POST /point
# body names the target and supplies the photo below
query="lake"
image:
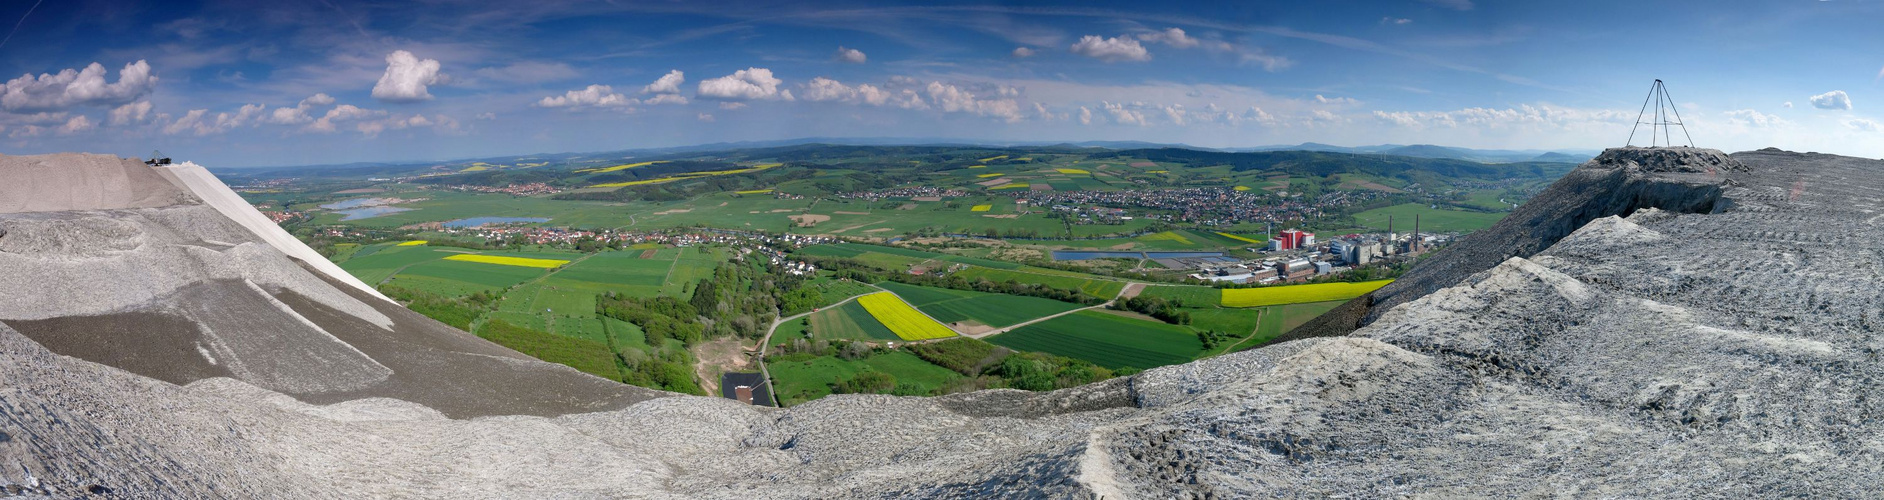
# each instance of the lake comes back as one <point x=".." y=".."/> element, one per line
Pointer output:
<point x="479" y="221"/>
<point x="357" y="202"/>
<point x="362" y="213"/>
<point x="1084" y="255"/>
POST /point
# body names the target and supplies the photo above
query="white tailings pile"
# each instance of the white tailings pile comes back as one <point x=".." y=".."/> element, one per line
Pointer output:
<point x="199" y="181"/>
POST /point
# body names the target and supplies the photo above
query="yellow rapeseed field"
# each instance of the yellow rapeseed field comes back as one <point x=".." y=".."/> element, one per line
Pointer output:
<point x="690" y="175"/>
<point x="1240" y="238"/>
<point x="996" y="174"/>
<point x="1297" y="294"/>
<point x="1010" y="185"/>
<point x="1242" y="188"/>
<point x="981" y="208"/>
<point x="977" y="166"/>
<point x="509" y="261"/>
<point x="413" y="243"/>
<point x="1072" y="171"/>
<point x="901" y="318"/>
<point x="618" y="167"/>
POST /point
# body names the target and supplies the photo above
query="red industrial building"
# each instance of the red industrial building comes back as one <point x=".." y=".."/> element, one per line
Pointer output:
<point x="1291" y="239"/>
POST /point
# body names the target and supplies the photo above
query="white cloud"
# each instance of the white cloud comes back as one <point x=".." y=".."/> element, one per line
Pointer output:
<point x="849" y="55"/>
<point x="953" y="99"/>
<point x="1022" y="52"/>
<point x="666" y="84"/>
<point x="1170" y="36"/>
<point x="1123" y="115"/>
<point x="665" y="99"/>
<point x="1396" y="20"/>
<point x="439" y="123"/>
<point x="487" y="116"/>
<point x="731" y="105"/>
<point x="1340" y="101"/>
<point x="342" y="113"/>
<point x="318" y="99"/>
<point x="1085" y="116"/>
<point x="745" y="84"/>
<point x="1787" y="104"/>
<point x="1752" y="118"/>
<point x="594" y="96"/>
<point x="131" y="113"/>
<point x="299" y="113"/>
<point x="1539" y="116"/>
<point x="77" y="124"/>
<point x="1111" y="49"/>
<point x="73" y="87"/>
<point x="704" y="117"/>
<point x="1864" y="125"/>
<point x="1832" y="100"/>
<point x="825" y="89"/>
<point x="407" y="77"/>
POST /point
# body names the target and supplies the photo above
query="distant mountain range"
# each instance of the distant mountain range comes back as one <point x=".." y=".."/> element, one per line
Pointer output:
<point x="1416" y="151"/>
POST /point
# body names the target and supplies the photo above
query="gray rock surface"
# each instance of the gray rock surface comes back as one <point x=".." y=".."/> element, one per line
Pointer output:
<point x="1660" y="332"/>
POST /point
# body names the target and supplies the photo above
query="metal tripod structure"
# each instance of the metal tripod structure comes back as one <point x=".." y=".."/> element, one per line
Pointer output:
<point x="1664" y="110"/>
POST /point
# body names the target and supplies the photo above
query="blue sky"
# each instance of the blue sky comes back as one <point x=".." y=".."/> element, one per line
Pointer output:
<point x="239" y="83"/>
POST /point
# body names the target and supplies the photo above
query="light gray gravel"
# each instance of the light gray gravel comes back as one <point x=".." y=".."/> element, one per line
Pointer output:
<point x="1685" y="335"/>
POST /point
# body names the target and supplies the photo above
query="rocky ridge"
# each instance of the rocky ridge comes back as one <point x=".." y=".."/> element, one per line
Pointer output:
<point x="1661" y="323"/>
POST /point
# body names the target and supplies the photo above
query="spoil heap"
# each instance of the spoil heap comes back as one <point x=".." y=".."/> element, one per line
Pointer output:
<point x="1668" y="323"/>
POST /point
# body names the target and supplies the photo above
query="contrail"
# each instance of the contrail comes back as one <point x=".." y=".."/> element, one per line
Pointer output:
<point x="16" y="26"/>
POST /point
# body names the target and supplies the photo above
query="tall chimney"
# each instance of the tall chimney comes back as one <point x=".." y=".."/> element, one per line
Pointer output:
<point x="1416" y="233"/>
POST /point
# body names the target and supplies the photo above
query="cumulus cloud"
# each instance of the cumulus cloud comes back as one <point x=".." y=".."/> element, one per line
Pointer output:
<point x="1395" y="20"/>
<point x="1170" y="36"/>
<point x="1756" y="119"/>
<point x="438" y="123"/>
<point x="731" y="105"/>
<point x="299" y="113"/>
<point x="743" y="85"/>
<point x="1864" y="125"/>
<point x="1342" y="101"/>
<point x="1541" y="116"/>
<point x="594" y="96"/>
<point x="953" y="99"/>
<point x="407" y="78"/>
<point x="76" y="87"/>
<point x="665" y="99"/>
<point x="131" y="113"/>
<point x="1085" y="116"/>
<point x="1125" y="115"/>
<point x="487" y="116"/>
<point x="200" y="122"/>
<point x="666" y="84"/>
<point x="704" y="117"/>
<point x="850" y="55"/>
<point x="77" y="124"/>
<point x="340" y="114"/>
<point x="1832" y="100"/>
<point x="1111" y="49"/>
<point x="1022" y="52"/>
<point x="1787" y="104"/>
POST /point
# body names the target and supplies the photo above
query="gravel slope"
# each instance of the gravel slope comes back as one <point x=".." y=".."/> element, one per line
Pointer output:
<point x="1720" y="347"/>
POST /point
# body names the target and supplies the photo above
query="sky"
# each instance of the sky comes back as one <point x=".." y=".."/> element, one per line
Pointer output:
<point x="290" y="82"/>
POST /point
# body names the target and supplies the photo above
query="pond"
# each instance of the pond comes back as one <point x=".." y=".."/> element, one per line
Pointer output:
<point x="358" y="202"/>
<point x="362" y="213"/>
<point x="479" y="221"/>
<point x="1085" y="254"/>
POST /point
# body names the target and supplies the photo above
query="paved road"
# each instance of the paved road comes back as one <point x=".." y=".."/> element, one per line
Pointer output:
<point x="766" y="342"/>
<point x="1129" y="288"/>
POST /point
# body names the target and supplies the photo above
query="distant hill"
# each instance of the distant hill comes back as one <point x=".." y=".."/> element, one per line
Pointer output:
<point x="1430" y="151"/>
<point x="1554" y="156"/>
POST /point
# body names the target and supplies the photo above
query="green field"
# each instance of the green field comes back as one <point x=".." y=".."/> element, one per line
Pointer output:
<point x="798" y="381"/>
<point x="1190" y="296"/>
<point x="1431" y="219"/>
<point x="1106" y="340"/>
<point x="1101" y="288"/>
<point x="849" y="321"/>
<point x="997" y="310"/>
